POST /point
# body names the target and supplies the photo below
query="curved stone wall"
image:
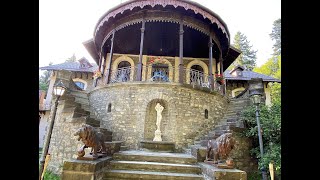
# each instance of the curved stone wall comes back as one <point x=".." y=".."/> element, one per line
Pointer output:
<point x="131" y="117"/>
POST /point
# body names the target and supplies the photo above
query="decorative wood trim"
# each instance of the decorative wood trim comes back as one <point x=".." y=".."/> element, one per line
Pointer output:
<point x="160" y="16"/>
<point x="163" y="3"/>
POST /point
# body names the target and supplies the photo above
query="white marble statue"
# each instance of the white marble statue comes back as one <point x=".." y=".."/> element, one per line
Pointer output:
<point x="157" y="133"/>
<point x="159" y="109"/>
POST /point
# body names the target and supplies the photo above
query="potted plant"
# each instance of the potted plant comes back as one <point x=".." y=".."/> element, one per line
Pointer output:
<point x="97" y="74"/>
<point x="219" y="78"/>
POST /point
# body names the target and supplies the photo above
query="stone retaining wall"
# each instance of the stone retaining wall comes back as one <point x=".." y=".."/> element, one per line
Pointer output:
<point x="132" y="114"/>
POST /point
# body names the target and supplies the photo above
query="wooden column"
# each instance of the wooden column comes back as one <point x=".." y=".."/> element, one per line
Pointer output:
<point x="221" y="72"/>
<point x="139" y="72"/>
<point x="103" y="65"/>
<point x="216" y="71"/>
<point x="99" y="63"/>
<point x="110" y="59"/>
<point x="211" y="80"/>
<point x="181" y="53"/>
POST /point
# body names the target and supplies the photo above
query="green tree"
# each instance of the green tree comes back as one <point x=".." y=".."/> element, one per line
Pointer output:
<point x="271" y="68"/>
<point x="270" y="121"/>
<point x="276" y="36"/>
<point x="248" y="56"/>
<point x="72" y="58"/>
<point x="44" y="80"/>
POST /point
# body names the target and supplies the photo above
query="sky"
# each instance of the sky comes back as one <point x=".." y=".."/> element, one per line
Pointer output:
<point x="65" y="24"/>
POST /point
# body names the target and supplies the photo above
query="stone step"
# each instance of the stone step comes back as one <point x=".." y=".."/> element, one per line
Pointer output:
<point x="82" y="101"/>
<point x="231" y="114"/>
<point x="157" y="146"/>
<point x="155" y="166"/>
<point x="225" y="118"/>
<point x="231" y="120"/>
<point x="222" y="127"/>
<point x="237" y="106"/>
<point x="134" y="155"/>
<point x="125" y="174"/>
<point x="79" y="94"/>
<point x="197" y="142"/>
<point x="77" y="111"/>
<point x="124" y="148"/>
<point x="85" y="107"/>
<point x="234" y="101"/>
<point x="105" y="131"/>
<point x="93" y="116"/>
<point x="203" y="142"/>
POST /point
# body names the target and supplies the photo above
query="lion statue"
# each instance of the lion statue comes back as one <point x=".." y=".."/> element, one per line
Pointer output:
<point x="220" y="148"/>
<point x="91" y="138"/>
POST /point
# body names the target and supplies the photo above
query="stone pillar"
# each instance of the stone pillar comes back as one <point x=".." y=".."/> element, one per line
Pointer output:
<point x="181" y="53"/>
<point x="107" y="76"/>
<point x="211" y="81"/>
<point x="141" y="50"/>
<point x="50" y="89"/>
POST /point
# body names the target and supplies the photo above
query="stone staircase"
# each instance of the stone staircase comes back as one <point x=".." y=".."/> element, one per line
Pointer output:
<point x="229" y="122"/>
<point x="81" y="97"/>
<point x="135" y="164"/>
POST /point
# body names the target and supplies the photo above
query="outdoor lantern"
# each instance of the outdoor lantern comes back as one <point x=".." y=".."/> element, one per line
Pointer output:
<point x="59" y="89"/>
<point x="256" y="98"/>
<point x="256" y="90"/>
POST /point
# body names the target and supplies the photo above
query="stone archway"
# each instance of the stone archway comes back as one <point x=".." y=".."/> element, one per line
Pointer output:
<point x="151" y="118"/>
<point x="196" y="62"/>
<point x="123" y="58"/>
<point x="165" y="61"/>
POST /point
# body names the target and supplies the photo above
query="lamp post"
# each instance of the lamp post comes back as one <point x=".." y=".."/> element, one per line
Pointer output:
<point x="58" y="90"/>
<point x="256" y="91"/>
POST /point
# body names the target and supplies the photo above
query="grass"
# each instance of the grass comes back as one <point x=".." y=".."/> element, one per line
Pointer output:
<point x="48" y="175"/>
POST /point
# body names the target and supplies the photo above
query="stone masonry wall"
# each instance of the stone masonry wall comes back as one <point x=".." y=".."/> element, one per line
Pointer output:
<point x="130" y="104"/>
<point x="63" y="144"/>
<point x="43" y="128"/>
<point x="241" y="154"/>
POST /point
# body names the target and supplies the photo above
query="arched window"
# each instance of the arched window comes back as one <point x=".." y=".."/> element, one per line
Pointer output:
<point x="123" y="73"/>
<point x="109" y="107"/>
<point x="196" y="75"/>
<point x="80" y="84"/>
<point x="206" y="113"/>
<point x="160" y="72"/>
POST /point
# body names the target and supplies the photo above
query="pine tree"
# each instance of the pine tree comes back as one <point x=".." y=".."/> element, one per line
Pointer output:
<point x="72" y="58"/>
<point x="44" y="80"/>
<point x="276" y="36"/>
<point x="248" y="56"/>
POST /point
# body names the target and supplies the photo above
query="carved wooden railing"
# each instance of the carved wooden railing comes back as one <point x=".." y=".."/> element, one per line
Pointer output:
<point x="163" y="74"/>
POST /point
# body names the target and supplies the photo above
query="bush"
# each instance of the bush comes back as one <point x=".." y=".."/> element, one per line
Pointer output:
<point x="270" y="122"/>
<point x="48" y="175"/>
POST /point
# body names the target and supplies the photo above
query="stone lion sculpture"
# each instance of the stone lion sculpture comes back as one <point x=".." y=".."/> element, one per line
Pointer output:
<point x="91" y="138"/>
<point x="220" y="148"/>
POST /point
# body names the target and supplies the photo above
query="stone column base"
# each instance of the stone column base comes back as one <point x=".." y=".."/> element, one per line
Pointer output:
<point x="82" y="169"/>
<point x="214" y="173"/>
